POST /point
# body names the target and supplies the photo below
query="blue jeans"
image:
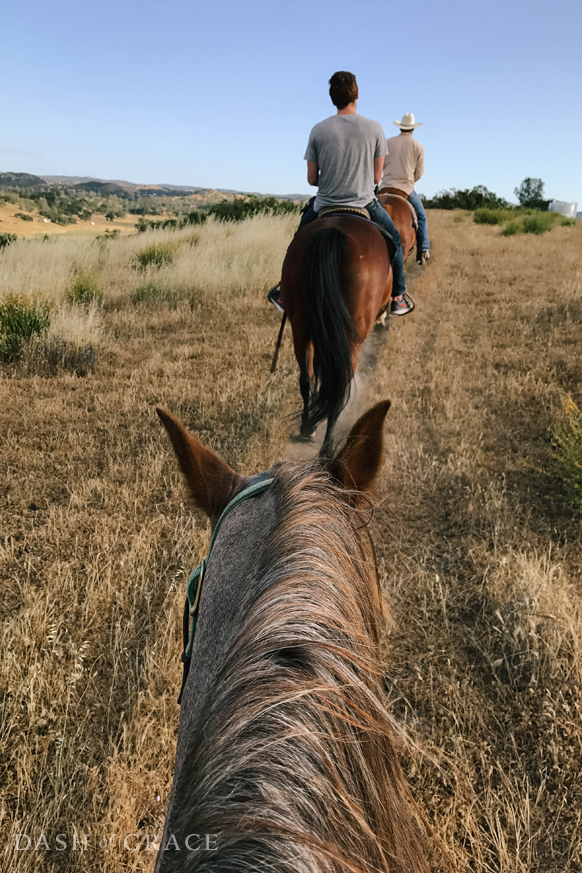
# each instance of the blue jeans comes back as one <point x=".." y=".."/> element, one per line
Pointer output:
<point x="380" y="216"/>
<point x="414" y="198"/>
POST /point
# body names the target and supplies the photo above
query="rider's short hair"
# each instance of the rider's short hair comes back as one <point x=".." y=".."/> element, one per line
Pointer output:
<point x="343" y="89"/>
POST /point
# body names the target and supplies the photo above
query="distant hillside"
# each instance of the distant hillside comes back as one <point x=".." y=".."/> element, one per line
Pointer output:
<point x="75" y="180"/>
<point x="104" y="188"/>
<point x="161" y="190"/>
<point x="123" y="188"/>
<point x="129" y="190"/>
<point x="20" y="180"/>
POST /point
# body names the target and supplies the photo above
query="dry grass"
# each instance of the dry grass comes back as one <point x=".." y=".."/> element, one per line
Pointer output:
<point x="239" y="258"/>
<point x="95" y="542"/>
<point x="485" y="583"/>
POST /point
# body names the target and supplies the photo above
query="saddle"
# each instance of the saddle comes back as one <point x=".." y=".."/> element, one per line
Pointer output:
<point x="343" y="210"/>
<point x="356" y="212"/>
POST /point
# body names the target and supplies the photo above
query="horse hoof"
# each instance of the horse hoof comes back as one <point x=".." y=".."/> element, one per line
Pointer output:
<point x="302" y="437"/>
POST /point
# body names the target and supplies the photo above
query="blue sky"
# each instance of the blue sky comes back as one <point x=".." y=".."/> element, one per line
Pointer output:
<point x="223" y="94"/>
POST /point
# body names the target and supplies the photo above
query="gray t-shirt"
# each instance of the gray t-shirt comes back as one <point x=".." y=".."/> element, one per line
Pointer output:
<point x="344" y="148"/>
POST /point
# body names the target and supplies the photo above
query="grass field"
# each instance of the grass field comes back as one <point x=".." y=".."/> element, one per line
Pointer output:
<point x="479" y="561"/>
<point x="38" y="227"/>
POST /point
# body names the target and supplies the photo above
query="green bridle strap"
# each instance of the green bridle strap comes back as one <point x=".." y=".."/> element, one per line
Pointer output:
<point x="196" y="578"/>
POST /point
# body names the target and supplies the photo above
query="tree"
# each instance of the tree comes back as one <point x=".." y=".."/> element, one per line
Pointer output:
<point x="531" y="193"/>
<point x="474" y="198"/>
<point x="110" y="216"/>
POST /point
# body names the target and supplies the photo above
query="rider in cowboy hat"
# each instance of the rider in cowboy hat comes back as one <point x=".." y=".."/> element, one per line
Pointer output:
<point x="404" y="166"/>
<point x="345" y="159"/>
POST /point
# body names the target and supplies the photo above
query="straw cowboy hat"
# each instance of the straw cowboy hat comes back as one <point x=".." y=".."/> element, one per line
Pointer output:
<point x="407" y="122"/>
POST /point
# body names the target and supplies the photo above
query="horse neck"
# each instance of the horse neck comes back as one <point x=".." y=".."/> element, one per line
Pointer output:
<point x="291" y="724"/>
<point x="276" y="538"/>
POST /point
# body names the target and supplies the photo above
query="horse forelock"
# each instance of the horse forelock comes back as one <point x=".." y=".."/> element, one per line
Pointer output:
<point x="293" y="761"/>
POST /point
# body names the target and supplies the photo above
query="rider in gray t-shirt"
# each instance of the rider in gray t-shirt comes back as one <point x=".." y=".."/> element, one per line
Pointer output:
<point x="344" y="147"/>
<point x="345" y="161"/>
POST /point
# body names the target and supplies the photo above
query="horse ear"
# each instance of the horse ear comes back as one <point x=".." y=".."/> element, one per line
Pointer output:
<point x="211" y="482"/>
<point x="357" y="464"/>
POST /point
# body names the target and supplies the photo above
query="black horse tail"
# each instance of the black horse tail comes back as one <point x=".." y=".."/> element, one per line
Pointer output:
<point x="330" y="325"/>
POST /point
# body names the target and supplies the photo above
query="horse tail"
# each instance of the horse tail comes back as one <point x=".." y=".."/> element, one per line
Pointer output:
<point x="329" y="323"/>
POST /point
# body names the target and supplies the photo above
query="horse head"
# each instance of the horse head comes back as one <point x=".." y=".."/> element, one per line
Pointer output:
<point x="286" y="756"/>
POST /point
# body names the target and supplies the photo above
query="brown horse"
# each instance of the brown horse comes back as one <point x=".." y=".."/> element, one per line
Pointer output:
<point x="402" y="214"/>
<point x="287" y="758"/>
<point x="336" y="280"/>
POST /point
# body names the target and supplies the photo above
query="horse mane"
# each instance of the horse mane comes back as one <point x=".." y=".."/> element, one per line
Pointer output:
<point x="294" y="759"/>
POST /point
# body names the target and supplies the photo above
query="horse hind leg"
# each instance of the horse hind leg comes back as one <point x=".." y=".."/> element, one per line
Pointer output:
<point x="419" y="258"/>
<point x="326" y="450"/>
<point x="306" y="430"/>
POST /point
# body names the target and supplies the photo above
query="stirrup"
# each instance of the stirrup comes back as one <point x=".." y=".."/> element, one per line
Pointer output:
<point x="274" y="296"/>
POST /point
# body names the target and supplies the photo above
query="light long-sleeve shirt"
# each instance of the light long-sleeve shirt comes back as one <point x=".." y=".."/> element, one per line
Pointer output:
<point x="404" y="164"/>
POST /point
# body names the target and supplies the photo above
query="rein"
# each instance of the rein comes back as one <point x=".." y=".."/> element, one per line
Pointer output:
<point x="196" y="577"/>
<point x="278" y="345"/>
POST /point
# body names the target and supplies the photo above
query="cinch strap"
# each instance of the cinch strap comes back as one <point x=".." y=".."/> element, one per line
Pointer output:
<point x="196" y="578"/>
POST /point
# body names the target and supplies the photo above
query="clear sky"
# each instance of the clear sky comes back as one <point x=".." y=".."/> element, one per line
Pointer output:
<point x="223" y="93"/>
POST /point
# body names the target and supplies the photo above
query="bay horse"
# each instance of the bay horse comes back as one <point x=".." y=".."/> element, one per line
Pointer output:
<point x="402" y="213"/>
<point x="335" y="282"/>
<point x="287" y="758"/>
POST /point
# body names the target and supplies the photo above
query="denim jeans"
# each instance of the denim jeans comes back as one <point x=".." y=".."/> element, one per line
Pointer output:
<point x="309" y="215"/>
<point x="380" y="216"/>
<point x="414" y="198"/>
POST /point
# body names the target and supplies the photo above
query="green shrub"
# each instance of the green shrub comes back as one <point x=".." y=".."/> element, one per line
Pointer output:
<point x="63" y="219"/>
<point x="227" y="210"/>
<point x="6" y="239"/>
<point x="165" y="224"/>
<point x="538" y="224"/>
<point x="19" y="322"/>
<point x="109" y="234"/>
<point x="194" y="217"/>
<point x="155" y="255"/>
<point x="510" y="229"/>
<point x="567" y="459"/>
<point x="23" y="216"/>
<point x="245" y="207"/>
<point x="568" y="222"/>
<point x="487" y="216"/>
<point x="151" y="293"/>
<point x="474" y="198"/>
<point x="85" y="289"/>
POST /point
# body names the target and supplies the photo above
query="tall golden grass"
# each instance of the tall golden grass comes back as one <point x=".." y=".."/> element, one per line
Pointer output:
<point x="484" y="650"/>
